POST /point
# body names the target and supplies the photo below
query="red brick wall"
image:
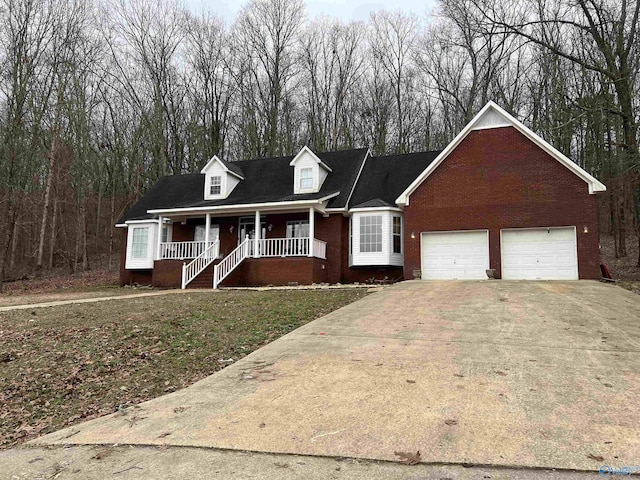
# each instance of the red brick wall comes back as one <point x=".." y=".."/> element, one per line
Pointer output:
<point x="276" y="271"/>
<point x="329" y="229"/>
<point x="182" y="233"/>
<point x="167" y="273"/>
<point x="495" y="179"/>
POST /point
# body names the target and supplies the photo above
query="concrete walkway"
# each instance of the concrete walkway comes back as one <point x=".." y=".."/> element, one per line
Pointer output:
<point x="513" y="374"/>
<point x="94" y="299"/>
<point x="372" y="288"/>
<point x="144" y="463"/>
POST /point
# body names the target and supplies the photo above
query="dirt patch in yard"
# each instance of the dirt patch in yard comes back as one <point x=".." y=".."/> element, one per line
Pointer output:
<point x="625" y="269"/>
<point x="62" y="365"/>
<point x="56" y="286"/>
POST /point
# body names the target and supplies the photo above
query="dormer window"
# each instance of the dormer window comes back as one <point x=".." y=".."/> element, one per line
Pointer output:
<point x="306" y="178"/>
<point x="309" y="172"/>
<point x="215" y="187"/>
<point x="220" y="178"/>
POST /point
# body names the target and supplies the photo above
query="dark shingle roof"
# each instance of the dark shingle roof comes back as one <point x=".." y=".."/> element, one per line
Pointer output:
<point x="383" y="179"/>
<point x="376" y="202"/>
<point x="265" y="180"/>
<point x="234" y="167"/>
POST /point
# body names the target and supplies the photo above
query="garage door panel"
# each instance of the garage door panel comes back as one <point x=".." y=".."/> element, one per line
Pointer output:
<point x="539" y="254"/>
<point x="455" y="255"/>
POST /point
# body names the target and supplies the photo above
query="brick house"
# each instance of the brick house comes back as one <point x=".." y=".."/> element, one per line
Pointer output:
<point x="497" y="197"/>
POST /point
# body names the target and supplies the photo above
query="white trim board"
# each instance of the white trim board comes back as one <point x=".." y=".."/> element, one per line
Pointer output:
<point x="493" y="116"/>
<point x="248" y="206"/>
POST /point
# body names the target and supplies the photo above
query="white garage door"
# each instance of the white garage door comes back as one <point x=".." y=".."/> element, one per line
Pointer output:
<point x="539" y="254"/>
<point x="455" y="255"/>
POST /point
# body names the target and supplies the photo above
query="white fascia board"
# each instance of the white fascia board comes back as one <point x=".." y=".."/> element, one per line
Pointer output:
<point x="355" y="183"/>
<point x="248" y="206"/>
<point x="121" y="225"/>
<point x="213" y="160"/>
<point x="594" y="184"/>
<point x="148" y="220"/>
<point x="224" y="167"/>
<point x="306" y="149"/>
<point x="231" y="172"/>
<point x="375" y="209"/>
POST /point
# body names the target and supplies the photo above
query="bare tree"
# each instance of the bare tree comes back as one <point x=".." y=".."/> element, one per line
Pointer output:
<point x="393" y="39"/>
<point x="332" y="60"/>
<point x="266" y="34"/>
<point x="600" y="37"/>
<point x="210" y="88"/>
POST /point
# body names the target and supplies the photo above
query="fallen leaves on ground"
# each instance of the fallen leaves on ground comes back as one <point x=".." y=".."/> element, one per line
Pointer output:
<point x="408" y="458"/>
<point x="71" y="363"/>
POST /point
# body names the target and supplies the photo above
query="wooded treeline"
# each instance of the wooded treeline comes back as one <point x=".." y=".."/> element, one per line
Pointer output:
<point x="99" y="98"/>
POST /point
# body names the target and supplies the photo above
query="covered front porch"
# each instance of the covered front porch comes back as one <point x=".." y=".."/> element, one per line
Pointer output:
<point x="194" y="242"/>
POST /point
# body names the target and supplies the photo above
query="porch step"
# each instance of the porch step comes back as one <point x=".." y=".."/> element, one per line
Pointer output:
<point x="203" y="280"/>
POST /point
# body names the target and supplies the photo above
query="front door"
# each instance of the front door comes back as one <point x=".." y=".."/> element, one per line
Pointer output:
<point x="247" y="226"/>
<point x="297" y="237"/>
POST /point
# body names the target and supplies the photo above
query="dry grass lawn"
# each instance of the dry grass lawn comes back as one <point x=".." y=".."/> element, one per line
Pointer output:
<point x="62" y="365"/>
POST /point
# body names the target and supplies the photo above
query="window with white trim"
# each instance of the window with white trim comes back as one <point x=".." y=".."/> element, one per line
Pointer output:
<point x="396" y="234"/>
<point x="306" y="178"/>
<point x="371" y="233"/>
<point x="215" y="186"/>
<point x="139" y="242"/>
<point x="298" y="229"/>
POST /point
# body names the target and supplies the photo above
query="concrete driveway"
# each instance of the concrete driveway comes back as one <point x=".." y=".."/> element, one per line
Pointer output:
<point x="526" y="374"/>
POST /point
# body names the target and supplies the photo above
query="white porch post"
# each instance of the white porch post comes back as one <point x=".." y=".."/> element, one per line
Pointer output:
<point x="207" y="227"/>
<point x="159" y="239"/>
<point x="256" y="236"/>
<point x="312" y="230"/>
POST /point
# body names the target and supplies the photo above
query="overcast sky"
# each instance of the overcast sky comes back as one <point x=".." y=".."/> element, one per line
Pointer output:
<point x="343" y="9"/>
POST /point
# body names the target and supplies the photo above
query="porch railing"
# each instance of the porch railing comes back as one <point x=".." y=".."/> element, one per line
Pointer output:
<point x="288" y="247"/>
<point x="182" y="250"/>
<point x="198" y="264"/>
<point x="231" y="261"/>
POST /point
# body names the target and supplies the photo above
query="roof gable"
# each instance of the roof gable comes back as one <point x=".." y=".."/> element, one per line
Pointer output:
<point x="307" y="151"/>
<point x="228" y="167"/>
<point x="493" y="116"/>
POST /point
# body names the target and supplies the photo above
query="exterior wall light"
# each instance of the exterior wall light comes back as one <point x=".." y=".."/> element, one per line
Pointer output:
<point x="585" y="229"/>
<point x="413" y="235"/>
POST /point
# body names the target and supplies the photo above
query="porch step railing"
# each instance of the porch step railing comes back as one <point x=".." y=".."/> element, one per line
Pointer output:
<point x="319" y="249"/>
<point x="198" y="264"/>
<point x="231" y="261"/>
